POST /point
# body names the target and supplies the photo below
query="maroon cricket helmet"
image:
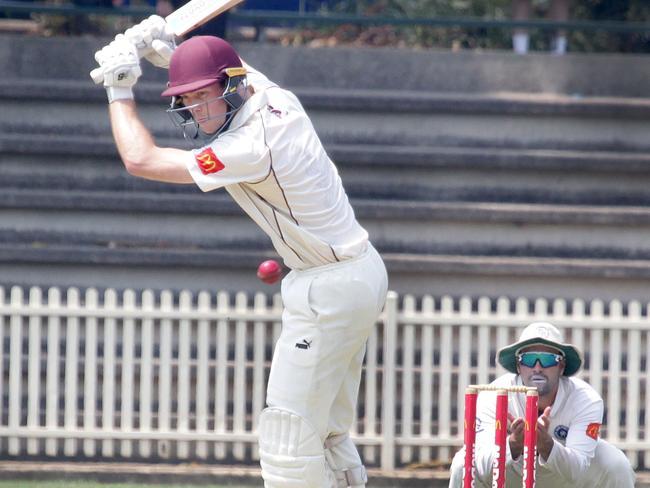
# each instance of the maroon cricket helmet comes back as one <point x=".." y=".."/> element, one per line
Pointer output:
<point x="199" y="62"/>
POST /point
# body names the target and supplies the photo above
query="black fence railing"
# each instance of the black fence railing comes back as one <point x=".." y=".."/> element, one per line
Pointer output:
<point x="9" y="7"/>
<point x="265" y="18"/>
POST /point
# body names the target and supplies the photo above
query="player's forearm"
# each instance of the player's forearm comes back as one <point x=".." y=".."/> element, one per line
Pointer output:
<point x="545" y="446"/>
<point x="138" y="150"/>
<point x="516" y="448"/>
<point x="133" y="140"/>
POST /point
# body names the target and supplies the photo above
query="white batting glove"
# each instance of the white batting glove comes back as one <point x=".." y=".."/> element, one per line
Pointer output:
<point x="120" y="68"/>
<point x="153" y="40"/>
<point x="161" y="53"/>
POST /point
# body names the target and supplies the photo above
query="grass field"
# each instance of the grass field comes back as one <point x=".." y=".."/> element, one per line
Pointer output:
<point x="93" y="484"/>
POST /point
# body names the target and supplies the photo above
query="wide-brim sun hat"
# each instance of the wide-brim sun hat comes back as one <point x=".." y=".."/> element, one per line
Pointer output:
<point x="199" y="62"/>
<point x="546" y="334"/>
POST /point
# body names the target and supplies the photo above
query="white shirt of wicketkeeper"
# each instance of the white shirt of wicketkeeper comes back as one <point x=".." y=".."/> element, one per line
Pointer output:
<point x="540" y="366"/>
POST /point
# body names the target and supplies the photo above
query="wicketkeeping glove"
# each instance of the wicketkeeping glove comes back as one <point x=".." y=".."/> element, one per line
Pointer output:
<point x="153" y="41"/>
<point x="120" y="67"/>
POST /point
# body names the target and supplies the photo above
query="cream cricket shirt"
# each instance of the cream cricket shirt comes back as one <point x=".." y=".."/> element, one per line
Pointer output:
<point x="272" y="163"/>
<point x="576" y="417"/>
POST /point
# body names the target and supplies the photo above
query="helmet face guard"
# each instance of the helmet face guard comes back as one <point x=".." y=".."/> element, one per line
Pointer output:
<point x="234" y="95"/>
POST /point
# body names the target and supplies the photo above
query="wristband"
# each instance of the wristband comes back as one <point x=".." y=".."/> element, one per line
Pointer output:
<point x="119" y="93"/>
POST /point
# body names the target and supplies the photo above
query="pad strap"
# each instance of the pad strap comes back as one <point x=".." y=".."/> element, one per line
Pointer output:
<point x="353" y="476"/>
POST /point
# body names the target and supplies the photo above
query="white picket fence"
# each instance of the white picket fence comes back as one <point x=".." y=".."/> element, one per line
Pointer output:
<point x="143" y="375"/>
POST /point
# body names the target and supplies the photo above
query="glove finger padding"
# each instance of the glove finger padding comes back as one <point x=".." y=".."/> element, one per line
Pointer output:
<point x="139" y="37"/>
<point x="119" y="43"/>
<point x="146" y="32"/>
<point x="120" y="63"/>
<point x="161" y="53"/>
<point x="156" y="27"/>
<point x="102" y="54"/>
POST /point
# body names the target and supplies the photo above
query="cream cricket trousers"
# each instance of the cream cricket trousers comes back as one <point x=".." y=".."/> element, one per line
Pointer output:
<point x="329" y="311"/>
<point x="609" y="468"/>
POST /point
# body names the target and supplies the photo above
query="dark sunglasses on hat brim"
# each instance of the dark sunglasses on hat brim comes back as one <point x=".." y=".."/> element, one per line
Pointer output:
<point x="546" y="359"/>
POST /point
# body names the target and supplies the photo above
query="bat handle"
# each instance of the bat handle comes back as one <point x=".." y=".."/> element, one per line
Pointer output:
<point x="97" y="75"/>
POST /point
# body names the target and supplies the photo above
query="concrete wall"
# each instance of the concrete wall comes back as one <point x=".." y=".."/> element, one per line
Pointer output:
<point x="370" y="68"/>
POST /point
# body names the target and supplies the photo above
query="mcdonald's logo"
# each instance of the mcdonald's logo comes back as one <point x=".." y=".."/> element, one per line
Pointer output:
<point x="593" y="430"/>
<point x="466" y="426"/>
<point x="208" y="162"/>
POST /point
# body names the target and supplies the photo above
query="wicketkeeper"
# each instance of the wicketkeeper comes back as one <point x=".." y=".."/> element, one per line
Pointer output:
<point x="254" y="139"/>
<point x="570" y="452"/>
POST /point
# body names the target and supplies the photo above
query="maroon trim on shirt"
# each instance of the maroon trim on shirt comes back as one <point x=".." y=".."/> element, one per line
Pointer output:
<point x="277" y="224"/>
<point x="272" y="172"/>
<point x="284" y="196"/>
<point x="334" y="254"/>
<point x="259" y="112"/>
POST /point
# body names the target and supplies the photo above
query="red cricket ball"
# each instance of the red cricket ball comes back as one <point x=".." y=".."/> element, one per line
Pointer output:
<point x="269" y="271"/>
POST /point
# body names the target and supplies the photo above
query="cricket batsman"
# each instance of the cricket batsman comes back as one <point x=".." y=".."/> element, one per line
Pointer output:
<point x="255" y="140"/>
<point x="571" y="453"/>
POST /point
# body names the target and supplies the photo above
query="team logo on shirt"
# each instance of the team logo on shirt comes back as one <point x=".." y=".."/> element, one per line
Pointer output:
<point x="275" y="111"/>
<point x="592" y="430"/>
<point x="208" y="162"/>
<point x="561" y="432"/>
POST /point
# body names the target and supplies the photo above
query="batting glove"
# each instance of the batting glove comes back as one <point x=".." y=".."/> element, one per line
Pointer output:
<point x="153" y="40"/>
<point x="120" y="67"/>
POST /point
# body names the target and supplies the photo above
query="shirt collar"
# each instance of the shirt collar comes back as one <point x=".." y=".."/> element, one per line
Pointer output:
<point x="256" y="101"/>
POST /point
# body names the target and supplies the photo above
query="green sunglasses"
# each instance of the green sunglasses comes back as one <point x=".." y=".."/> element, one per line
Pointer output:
<point x="546" y="359"/>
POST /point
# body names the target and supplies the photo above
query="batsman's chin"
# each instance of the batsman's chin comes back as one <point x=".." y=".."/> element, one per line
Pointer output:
<point x="209" y="126"/>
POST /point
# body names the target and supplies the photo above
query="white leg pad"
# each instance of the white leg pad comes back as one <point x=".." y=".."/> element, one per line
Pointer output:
<point x="344" y="460"/>
<point x="291" y="452"/>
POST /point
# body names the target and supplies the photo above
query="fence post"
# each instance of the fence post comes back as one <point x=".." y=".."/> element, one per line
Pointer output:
<point x="15" y="367"/>
<point x="203" y="371"/>
<point x="90" y="371"/>
<point x="72" y="364"/>
<point x="614" y="378"/>
<point x="445" y="372"/>
<point x="34" y="368"/>
<point x="633" y="404"/>
<point x="128" y="369"/>
<point x="165" y="371"/>
<point x="183" y="389"/>
<point x="53" y="363"/>
<point x="3" y="356"/>
<point x="388" y="393"/>
<point x="408" y="375"/>
<point x="146" y="370"/>
<point x="108" y="370"/>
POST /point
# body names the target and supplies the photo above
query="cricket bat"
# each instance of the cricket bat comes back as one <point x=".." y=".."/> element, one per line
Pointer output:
<point x="190" y="16"/>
